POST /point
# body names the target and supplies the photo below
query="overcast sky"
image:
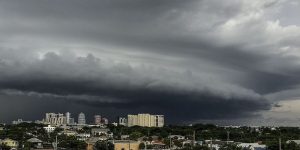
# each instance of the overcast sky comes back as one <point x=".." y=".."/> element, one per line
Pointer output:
<point x="226" y="62"/>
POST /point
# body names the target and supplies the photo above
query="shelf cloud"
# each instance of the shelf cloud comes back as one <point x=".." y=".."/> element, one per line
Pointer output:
<point x="190" y="60"/>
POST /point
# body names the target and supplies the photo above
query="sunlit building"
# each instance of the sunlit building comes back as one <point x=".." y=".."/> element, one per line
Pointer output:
<point x="55" y="119"/>
<point x="145" y="120"/>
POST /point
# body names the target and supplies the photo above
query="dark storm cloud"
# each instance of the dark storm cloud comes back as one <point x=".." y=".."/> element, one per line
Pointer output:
<point x="88" y="80"/>
<point x="188" y="59"/>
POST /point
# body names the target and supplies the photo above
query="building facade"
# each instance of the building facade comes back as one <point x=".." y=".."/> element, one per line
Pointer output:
<point x="55" y="119"/>
<point x="145" y="120"/>
<point x="81" y="119"/>
<point x="49" y="129"/>
<point x="68" y="117"/>
<point x="10" y="143"/>
<point x="97" y="119"/>
<point x="122" y="121"/>
<point x="104" y="121"/>
<point x="20" y="121"/>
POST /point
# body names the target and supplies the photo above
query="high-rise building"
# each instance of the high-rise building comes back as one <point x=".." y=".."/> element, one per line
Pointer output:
<point x="72" y="121"/>
<point x="122" y="121"/>
<point x="132" y="120"/>
<point x="68" y="117"/>
<point x="81" y="119"/>
<point x="55" y="119"/>
<point x="97" y="119"/>
<point x="145" y="120"/>
<point x="104" y="120"/>
<point x="159" y="120"/>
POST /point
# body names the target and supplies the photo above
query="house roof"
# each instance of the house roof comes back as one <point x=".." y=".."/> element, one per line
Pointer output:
<point x="34" y="140"/>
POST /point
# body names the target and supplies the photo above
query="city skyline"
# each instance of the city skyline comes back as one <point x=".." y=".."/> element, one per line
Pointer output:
<point x="194" y="61"/>
<point x="67" y="119"/>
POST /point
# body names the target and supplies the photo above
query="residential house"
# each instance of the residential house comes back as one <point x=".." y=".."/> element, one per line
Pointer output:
<point x="253" y="146"/>
<point x="11" y="143"/>
<point x="35" y="143"/>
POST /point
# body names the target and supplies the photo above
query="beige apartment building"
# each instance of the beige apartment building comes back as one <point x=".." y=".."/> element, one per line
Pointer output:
<point x="55" y="119"/>
<point x="145" y="120"/>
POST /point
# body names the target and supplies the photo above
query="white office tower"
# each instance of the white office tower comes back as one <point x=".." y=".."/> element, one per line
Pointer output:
<point x="81" y="119"/>
<point x="122" y="121"/>
<point x="145" y="120"/>
<point x="68" y="117"/>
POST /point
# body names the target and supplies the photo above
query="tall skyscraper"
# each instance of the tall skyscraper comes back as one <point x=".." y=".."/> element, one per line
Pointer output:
<point x="68" y="117"/>
<point x="145" y="120"/>
<point x="81" y="119"/>
<point x="97" y="119"/>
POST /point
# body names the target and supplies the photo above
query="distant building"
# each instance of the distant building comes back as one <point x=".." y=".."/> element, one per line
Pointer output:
<point x="177" y="137"/>
<point x="104" y="121"/>
<point x="96" y="132"/>
<point x="68" y="117"/>
<point x="68" y="133"/>
<point x="81" y="119"/>
<point x="122" y="121"/>
<point x="49" y="128"/>
<point x="97" y="119"/>
<point x="132" y="120"/>
<point x="126" y="145"/>
<point x="253" y="146"/>
<point x="20" y="121"/>
<point x="83" y="136"/>
<point x="55" y="119"/>
<point x="125" y="137"/>
<point x="35" y="143"/>
<point x="145" y="120"/>
<point x="72" y="121"/>
<point x="10" y="143"/>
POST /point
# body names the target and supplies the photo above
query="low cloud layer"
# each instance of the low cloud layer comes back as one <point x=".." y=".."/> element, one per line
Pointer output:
<point x="190" y="60"/>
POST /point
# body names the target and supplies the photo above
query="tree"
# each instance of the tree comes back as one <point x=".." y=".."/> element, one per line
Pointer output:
<point x="142" y="146"/>
<point x="135" y="135"/>
<point x="292" y="146"/>
<point x="70" y="142"/>
<point x="177" y="143"/>
<point x="230" y="147"/>
<point x="102" y="145"/>
<point x="4" y="147"/>
<point x="198" y="147"/>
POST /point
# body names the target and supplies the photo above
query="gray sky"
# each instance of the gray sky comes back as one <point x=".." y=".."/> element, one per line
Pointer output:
<point x="230" y="61"/>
